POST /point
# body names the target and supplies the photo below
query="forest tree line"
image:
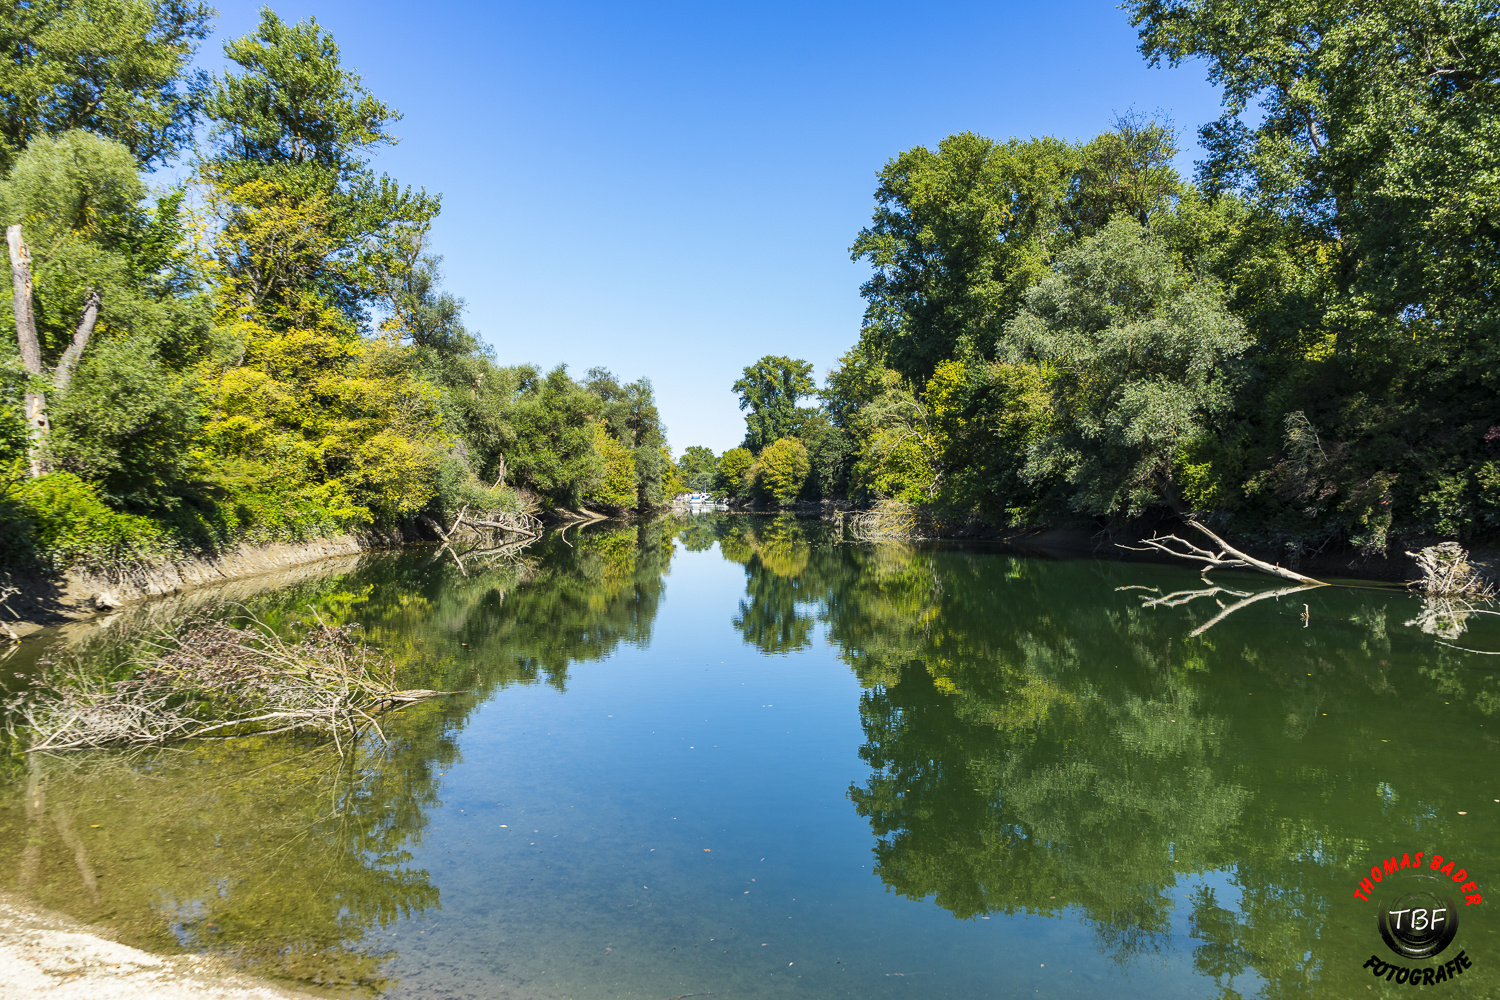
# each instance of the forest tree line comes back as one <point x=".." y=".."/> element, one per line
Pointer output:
<point x="1302" y="341"/>
<point x="264" y="350"/>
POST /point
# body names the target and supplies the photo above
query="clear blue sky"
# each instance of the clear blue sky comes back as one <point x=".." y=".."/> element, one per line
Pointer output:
<point x="671" y="189"/>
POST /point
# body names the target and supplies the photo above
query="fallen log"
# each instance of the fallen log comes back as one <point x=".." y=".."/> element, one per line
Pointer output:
<point x="1227" y="556"/>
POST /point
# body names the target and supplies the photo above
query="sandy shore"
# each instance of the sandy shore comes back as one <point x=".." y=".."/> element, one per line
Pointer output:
<point x="49" y="955"/>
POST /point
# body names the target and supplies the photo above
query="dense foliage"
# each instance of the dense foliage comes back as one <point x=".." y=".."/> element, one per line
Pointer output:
<point x="1301" y="343"/>
<point x="274" y="356"/>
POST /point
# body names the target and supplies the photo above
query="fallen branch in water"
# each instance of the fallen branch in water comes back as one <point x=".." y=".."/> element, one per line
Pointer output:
<point x="1227" y="556"/>
<point x="890" y="520"/>
<point x="215" y="679"/>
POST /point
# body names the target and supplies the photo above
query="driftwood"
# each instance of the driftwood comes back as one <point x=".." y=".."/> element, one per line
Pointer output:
<point x="1447" y="572"/>
<point x="520" y="524"/>
<point x="1226" y="556"/>
<point x="216" y="680"/>
<point x="580" y="516"/>
<point x="890" y="519"/>
<point x="527" y="527"/>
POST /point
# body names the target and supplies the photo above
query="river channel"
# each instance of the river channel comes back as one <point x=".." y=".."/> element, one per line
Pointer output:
<point x="744" y="757"/>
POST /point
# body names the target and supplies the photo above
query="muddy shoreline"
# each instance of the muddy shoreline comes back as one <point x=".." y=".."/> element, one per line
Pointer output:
<point x="47" y="601"/>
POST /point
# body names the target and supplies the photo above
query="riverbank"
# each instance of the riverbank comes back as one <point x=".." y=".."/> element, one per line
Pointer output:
<point x="1123" y="543"/>
<point x="50" y="955"/>
<point x="39" y="602"/>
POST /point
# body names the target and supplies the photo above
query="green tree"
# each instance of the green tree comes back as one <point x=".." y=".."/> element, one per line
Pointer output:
<point x="111" y="67"/>
<point x="295" y="125"/>
<point x="733" y="478"/>
<point x="1140" y="355"/>
<point x="632" y="417"/>
<point x="617" y="489"/>
<point x="698" y="468"/>
<point x="960" y="232"/>
<point x="1372" y="124"/>
<point x="549" y="438"/>
<point x="829" y="449"/>
<point x="781" y="469"/>
<point x="119" y="321"/>
<point x="769" y="389"/>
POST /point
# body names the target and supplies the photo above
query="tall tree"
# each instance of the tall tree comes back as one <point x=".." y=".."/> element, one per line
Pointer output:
<point x="697" y="468"/>
<point x="769" y="389"/>
<point x="1374" y="125"/>
<point x="960" y="232"/>
<point x="112" y="67"/>
<point x="100" y="253"/>
<point x="294" y="103"/>
<point x="1140" y="360"/>
<point x="291" y="131"/>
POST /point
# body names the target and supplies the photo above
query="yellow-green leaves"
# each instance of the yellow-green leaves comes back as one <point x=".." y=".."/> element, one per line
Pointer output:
<point x="781" y="469"/>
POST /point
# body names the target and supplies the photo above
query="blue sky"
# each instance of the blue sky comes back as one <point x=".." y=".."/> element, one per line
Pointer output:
<point x="671" y="189"/>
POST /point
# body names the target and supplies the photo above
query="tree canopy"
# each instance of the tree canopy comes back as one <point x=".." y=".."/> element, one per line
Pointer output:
<point x="769" y="389"/>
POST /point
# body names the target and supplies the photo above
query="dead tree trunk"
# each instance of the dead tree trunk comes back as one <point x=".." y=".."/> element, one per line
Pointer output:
<point x="64" y="374"/>
<point x="31" y="350"/>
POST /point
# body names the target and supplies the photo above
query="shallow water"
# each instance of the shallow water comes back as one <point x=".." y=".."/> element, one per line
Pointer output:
<point x="738" y="756"/>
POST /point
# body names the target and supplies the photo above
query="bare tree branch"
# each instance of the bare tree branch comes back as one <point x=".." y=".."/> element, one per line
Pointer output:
<point x="1226" y="557"/>
<point x="64" y="373"/>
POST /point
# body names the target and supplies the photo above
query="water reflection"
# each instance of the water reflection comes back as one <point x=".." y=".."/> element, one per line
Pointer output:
<point x="283" y="858"/>
<point x="1035" y="741"/>
<point x="285" y="854"/>
<point x="1040" y="744"/>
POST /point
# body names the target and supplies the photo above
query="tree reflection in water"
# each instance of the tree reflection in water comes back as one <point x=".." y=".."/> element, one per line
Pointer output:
<point x="1039" y="743"/>
<point x="281" y="853"/>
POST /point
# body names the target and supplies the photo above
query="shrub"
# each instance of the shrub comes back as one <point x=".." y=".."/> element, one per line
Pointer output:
<point x="618" y="490"/>
<point x="58" y="520"/>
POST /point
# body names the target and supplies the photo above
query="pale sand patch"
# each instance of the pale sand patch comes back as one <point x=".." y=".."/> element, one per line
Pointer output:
<point x="51" y="956"/>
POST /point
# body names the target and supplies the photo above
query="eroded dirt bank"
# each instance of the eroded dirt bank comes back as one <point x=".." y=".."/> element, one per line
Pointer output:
<point x="43" y="602"/>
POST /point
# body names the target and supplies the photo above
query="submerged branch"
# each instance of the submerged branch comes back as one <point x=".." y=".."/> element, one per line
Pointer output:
<point x="214" y="679"/>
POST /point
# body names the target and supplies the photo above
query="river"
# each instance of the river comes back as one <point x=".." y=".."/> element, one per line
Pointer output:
<point x="743" y="757"/>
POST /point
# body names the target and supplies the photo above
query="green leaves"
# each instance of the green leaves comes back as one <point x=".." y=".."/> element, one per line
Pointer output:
<point x="733" y="476"/>
<point x="1141" y="359"/>
<point x="295" y="103"/>
<point x="769" y="389"/>
<point x="959" y="233"/>
<point x="698" y="467"/>
<point x="1375" y="124"/>
<point x="112" y="67"/>
<point x="781" y="470"/>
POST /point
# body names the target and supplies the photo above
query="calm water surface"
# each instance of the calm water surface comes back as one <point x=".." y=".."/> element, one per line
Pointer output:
<point x="737" y="756"/>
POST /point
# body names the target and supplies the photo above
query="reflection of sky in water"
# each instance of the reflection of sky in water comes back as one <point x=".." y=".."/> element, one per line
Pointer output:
<point x="756" y="767"/>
